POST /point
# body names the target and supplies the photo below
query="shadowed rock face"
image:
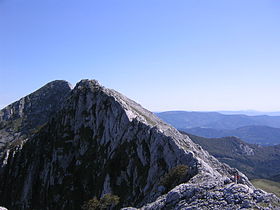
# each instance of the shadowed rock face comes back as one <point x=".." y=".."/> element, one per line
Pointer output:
<point x="23" y="118"/>
<point x="102" y="142"/>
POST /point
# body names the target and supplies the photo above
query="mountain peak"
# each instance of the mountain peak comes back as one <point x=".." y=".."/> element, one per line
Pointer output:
<point x="88" y="83"/>
<point x="132" y="109"/>
<point x="23" y="117"/>
<point x="57" y="83"/>
<point x="51" y="88"/>
<point x="101" y="142"/>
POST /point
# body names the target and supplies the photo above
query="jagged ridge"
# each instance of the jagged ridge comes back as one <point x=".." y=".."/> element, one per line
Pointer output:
<point x="100" y="142"/>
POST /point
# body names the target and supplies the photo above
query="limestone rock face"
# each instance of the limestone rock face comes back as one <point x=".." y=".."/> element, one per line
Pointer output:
<point x="213" y="195"/>
<point x="24" y="117"/>
<point x="102" y="142"/>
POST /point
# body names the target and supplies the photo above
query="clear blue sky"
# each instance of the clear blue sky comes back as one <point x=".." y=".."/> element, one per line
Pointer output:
<point x="166" y="55"/>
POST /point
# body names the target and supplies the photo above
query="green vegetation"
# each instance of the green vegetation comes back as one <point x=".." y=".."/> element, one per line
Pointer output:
<point x="174" y="177"/>
<point x="267" y="185"/>
<point x="107" y="201"/>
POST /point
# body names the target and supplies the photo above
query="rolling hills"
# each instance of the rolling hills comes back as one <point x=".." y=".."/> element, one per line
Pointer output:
<point x="257" y="162"/>
<point x="263" y="130"/>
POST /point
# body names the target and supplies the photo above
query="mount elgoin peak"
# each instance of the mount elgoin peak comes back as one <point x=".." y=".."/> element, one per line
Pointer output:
<point x="62" y="146"/>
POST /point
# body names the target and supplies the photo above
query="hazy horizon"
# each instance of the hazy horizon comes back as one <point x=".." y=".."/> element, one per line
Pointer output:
<point x="165" y="110"/>
<point x="248" y="111"/>
<point x="165" y="55"/>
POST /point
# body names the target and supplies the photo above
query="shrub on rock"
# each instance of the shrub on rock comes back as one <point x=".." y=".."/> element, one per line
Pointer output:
<point x="174" y="177"/>
<point x="108" y="200"/>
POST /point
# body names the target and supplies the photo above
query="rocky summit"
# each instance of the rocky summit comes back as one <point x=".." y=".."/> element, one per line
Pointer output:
<point x="21" y="119"/>
<point x="98" y="142"/>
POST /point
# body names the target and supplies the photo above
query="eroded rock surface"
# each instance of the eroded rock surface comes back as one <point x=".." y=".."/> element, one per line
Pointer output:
<point x="214" y="195"/>
<point x="102" y="142"/>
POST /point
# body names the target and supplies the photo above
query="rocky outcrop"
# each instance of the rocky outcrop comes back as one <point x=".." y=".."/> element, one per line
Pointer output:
<point x="102" y="142"/>
<point x="213" y="195"/>
<point x="24" y="117"/>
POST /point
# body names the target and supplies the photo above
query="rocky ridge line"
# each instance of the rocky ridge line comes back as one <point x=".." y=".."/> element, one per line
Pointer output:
<point x="102" y="142"/>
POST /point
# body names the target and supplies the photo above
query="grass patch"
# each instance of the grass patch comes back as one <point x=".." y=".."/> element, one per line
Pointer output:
<point x="267" y="185"/>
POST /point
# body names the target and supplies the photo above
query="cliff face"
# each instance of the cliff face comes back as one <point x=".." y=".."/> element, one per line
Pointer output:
<point x="102" y="142"/>
<point x="24" y="117"/>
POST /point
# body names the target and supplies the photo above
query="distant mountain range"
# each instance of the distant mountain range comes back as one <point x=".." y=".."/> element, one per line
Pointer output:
<point x="251" y="113"/>
<point x="254" y="134"/>
<point x="262" y="129"/>
<point x="253" y="160"/>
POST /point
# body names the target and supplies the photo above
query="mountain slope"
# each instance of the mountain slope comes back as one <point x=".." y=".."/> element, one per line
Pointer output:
<point x="255" y="161"/>
<point x="102" y="142"/>
<point x="24" y="117"/>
